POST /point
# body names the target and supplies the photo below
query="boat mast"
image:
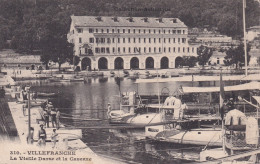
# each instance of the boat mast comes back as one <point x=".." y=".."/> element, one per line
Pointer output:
<point x="221" y="103"/>
<point x="244" y="27"/>
<point x="159" y="100"/>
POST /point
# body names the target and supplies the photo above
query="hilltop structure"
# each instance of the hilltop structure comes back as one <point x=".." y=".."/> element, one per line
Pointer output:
<point x="129" y="42"/>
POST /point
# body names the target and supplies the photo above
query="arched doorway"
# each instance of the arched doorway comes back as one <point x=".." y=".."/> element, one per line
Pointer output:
<point x="149" y="62"/>
<point x="102" y="63"/>
<point x="164" y="63"/>
<point x="179" y="62"/>
<point x="33" y="67"/>
<point x="86" y="63"/>
<point x="40" y="67"/>
<point x="119" y="63"/>
<point x="134" y="63"/>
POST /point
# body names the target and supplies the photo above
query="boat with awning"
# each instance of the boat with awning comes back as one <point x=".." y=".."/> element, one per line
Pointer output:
<point x="240" y="87"/>
<point x="194" y="78"/>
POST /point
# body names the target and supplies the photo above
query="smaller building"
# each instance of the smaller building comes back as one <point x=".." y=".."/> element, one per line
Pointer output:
<point x="253" y="32"/>
<point x="217" y="58"/>
<point x="255" y="57"/>
<point x="11" y="59"/>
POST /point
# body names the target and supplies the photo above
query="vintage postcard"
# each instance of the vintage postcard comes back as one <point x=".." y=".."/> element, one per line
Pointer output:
<point x="98" y="81"/>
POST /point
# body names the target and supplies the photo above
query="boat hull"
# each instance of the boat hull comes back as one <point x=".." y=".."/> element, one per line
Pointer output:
<point x="41" y="94"/>
<point x="138" y="120"/>
<point x="200" y="136"/>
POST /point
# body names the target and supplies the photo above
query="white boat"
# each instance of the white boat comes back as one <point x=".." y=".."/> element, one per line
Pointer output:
<point x="128" y="112"/>
<point x="133" y="112"/>
<point x="46" y="94"/>
<point x="174" y="132"/>
<point x="138" y="120"/>
<point x="77" y="79"/>
<point x="241" y="138"/>
<point x="194" y="136"/>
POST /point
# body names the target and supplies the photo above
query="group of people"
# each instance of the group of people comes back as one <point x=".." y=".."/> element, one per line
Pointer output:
<point x="24" y="93"/>
<point x="49" y="112"/>
<point x="42" y="136"/>
<point x="177" y="105"/>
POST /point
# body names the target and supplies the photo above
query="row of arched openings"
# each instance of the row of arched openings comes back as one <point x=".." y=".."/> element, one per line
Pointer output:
<point x="134" y="63"/>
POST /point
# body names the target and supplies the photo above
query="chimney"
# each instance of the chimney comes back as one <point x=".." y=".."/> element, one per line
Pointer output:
<point x="115" y="19"/>
<point x="130" y="19"/>
<point x="99" y="19"/>
<point x="160" y="20"/>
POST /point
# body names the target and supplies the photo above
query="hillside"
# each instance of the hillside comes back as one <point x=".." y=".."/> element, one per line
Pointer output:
<point x="29" y="23"/>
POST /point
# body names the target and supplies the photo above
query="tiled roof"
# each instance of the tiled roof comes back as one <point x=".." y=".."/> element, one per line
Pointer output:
<point x="21" y="60"/>
<point x="92" y="21"/>
<point x="8" y="56"/>
<point x="254" y="27"/>
<point x="218" y="54"/>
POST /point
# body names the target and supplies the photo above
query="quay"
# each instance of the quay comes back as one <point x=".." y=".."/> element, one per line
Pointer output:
<point x="69" y="142"/>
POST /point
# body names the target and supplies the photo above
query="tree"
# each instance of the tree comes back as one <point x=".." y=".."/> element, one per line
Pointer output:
<point x="190" y="61"/>
<point x="4" y="32"/>
<point x="46" y="47"/>
<point x="76" y="60"/>
<point x="227" y="25"/>
<point x="45" y="59"/>
<point x="236" y="55"/>
<point x="204" y="53"/>
<point x="62" y="51"/>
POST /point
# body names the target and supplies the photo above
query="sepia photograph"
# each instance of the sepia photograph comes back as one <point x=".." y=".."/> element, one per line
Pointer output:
<point x="129" y="81"/>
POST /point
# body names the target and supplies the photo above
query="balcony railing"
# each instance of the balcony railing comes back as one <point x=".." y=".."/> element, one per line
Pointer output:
<point x="86" y="54"/>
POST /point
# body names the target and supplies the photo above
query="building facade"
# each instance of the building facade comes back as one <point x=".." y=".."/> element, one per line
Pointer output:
<point x="217" y="58"/>
<point x="129" y="42"/>
<point x="253" y="32"/>
<point x="10" y="59"/>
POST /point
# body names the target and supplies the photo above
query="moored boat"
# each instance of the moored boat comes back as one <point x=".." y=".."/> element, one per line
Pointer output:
<point x="77" y="79"/>
<point x="46" y="94"/>
<point x="189" y="131"/>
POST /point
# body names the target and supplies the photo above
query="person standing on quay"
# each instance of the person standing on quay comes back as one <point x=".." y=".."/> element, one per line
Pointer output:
<point x="46" y="117"/>
<point x="49" y="109"/>
<point x="57" y="118"/>
<point x="2" y="93"/>
<point x="109" y="109"/>
<point x="30" y="136"/>
<point x="53" y="117"/>
<point x="42" y="136"/>
<point x="54" y="138"/>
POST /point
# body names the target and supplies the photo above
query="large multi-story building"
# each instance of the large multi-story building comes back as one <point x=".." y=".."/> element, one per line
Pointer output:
<point x="129" y="42"/>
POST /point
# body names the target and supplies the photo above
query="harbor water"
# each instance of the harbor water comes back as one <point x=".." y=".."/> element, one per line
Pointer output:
<point x="84" y="105"/>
